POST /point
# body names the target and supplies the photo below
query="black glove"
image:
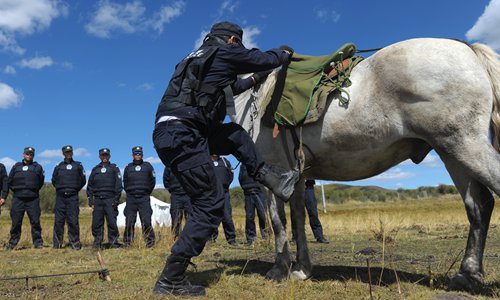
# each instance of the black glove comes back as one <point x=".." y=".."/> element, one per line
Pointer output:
<point x="287" y="48"/>
<point x="261" y="76"/>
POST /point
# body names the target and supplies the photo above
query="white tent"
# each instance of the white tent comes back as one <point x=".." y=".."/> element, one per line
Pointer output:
<point x="160" y="217"/>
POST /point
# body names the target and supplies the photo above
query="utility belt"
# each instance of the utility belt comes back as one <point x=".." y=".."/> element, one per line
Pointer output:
<point x="67" y="194"/>
<point x="104" y="196"/>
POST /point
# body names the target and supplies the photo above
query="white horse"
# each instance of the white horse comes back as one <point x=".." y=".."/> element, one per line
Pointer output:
<point x="406" y="99"/>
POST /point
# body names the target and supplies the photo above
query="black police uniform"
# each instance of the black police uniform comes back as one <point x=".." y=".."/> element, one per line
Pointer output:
<point x="4" y="183"/>
<point x="68" y="178"/>
<point x="25" y="181"/>
<point x="139" y="182"/>
<point x="254" y="201"/>
<point x="312" y="210"/>
<point x="103" y="191"/>
<point x="189" y="128"/>
<point x="180" y="203"/>
<point x="224" y="174"/>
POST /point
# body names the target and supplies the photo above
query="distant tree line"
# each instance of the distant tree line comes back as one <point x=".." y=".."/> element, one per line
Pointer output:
<point x="334" y="193"/>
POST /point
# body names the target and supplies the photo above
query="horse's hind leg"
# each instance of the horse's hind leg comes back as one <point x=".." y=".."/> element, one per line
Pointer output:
<point x="282" y="263"/>
<point x="479" y="204"/>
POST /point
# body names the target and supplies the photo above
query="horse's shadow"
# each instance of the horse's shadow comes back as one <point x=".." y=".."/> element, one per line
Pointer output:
<point x="376" y="277"/>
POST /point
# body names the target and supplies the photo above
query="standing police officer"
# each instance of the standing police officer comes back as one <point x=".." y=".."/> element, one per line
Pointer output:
<point x="103" y="191"/>
<point x="68" y="178"/>
<point x="254" y="200"/>
<point x="312" y="210"/>
<point x="139" y="182"/>
<point x="224" y="174"/>
<point x="189" y="127"/>
<point x="4" y="185"/>
<point x="25" y="180"/>
<point x="180" y="203"/>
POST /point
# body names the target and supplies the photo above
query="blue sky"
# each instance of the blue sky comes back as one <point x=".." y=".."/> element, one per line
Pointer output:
<point x="91" y="73"/>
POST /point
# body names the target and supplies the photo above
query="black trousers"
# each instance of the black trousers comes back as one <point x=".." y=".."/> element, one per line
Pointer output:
<point x="103" y="209"/>
<point x="66" y="210"/>
<point x="180" y="207"/>
<point x="227" y="220"/>
<point x="255" y="201"/>
<point x="141" y="205"/>
<point x="32" y="207"/>
<point x="185" y="149"/>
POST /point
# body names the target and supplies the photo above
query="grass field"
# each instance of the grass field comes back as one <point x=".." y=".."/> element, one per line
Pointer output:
<point x="412" y="248"/>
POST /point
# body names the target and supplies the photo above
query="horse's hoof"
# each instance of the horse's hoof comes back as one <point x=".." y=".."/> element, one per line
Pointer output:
<point x="276" y="274"/>
<point x="298" y="275"/>
<point x="466" y="282"/>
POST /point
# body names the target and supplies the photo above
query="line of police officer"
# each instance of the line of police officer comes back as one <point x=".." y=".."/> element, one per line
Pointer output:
<point x="104" y="188"/>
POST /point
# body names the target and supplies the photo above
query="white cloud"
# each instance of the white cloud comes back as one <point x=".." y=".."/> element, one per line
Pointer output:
<point x="9" y="97"/>
<point x="249" y="35"/>
<point x="57" y="153"/>
<point x="200" y="39"/>
<point x="167" y="14"/>
<point x="432" y="161"/>
<point x="153" y="160"/>
<point x="7" y="162"/>
<point x="26" y="17"/>
<point x="486" y="27"/>
<point x="36" y="63"/>
<point x="9" y="70"/>
<point x="145" y="86"/>
<point x="227" y="5"/>
<point x="111" y="17"/>
<point x="81" y="152"/>
<point x="326" y="15"/>
<point x="392" y="175"/>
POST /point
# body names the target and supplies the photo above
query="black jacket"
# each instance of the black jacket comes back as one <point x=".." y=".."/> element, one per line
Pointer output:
<point x="26" y="179"/>
<point x="223" y="172"/>
<point x="139" y="178"/>
<point x="4" y="182"/>
<point x="69" y="177"/>
<point x="105" y="182"/>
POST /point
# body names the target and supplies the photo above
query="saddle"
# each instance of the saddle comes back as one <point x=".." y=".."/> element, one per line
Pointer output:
<point x="302" y="88"/>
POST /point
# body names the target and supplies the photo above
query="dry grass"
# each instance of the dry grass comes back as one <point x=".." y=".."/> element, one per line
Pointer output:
<point x="406" y="243"/>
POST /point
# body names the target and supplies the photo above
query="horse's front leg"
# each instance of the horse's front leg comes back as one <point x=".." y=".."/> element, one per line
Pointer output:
<point x="278" y="221"/>
<point x="302" y="269"/>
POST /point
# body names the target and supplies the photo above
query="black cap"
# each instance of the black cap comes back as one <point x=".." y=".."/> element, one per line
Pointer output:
<point x="137" y="149"/>
<point x="67" y="148"/>
<point x="29" y="150"/>
<point x="104" y="151"/>
<point x="227" y="29"/>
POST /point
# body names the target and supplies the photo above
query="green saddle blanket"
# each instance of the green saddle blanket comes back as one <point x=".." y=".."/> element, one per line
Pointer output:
<point x="308" y="85"/>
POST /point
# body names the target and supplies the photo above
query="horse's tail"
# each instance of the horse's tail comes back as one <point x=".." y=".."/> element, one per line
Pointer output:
<point x="489" y="60"/>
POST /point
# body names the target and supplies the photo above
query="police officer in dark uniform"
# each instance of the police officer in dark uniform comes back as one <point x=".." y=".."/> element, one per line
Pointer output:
<point x="4" y="185"/>
<point x="254" y="201"/>
<point x="139" y="181"/>
<point x="180" y="203"/>
<point x="25" y="180"/>
<point x="103" y="191"/>
<point x="68" y="178"/>
<point x="189" y="127"/>
<point x="224" y="174"/>
<point x="312" y="210"/>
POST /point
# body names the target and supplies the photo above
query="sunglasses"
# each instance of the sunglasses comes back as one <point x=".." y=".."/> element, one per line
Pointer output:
<point x="137" y="153"/>
<point x="30" y="154"/>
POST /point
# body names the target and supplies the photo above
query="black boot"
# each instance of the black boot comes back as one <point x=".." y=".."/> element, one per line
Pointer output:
<point x="172" y="280"/>
<point x="280" y="182"/>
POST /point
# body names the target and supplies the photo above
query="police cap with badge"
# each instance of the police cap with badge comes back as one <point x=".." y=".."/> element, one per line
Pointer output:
<point x="137" y="150"/>
<point x="104" y="151"/>
<point x="67" y="148"/>
<point x="29" y="150"/>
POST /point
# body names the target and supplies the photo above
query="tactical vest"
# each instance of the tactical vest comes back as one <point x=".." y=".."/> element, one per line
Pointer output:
<point x="138" y="178"/>
<point x="186" y="86"/>
<point x="223" y="172"/>
<point x="69" y="177"/>
<point x="104" y="182"/>
<point x="26" y="180"/>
